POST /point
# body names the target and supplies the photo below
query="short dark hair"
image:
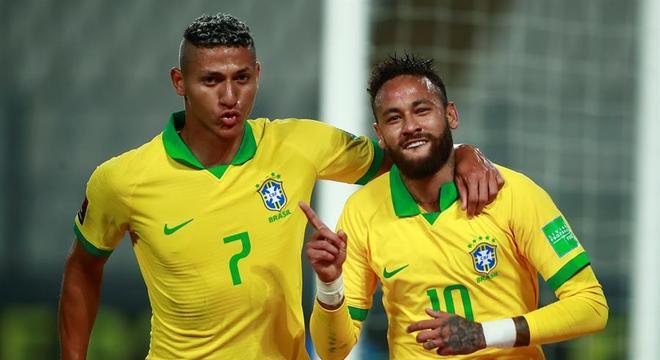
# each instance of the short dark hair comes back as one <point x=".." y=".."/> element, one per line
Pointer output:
<point x="406" y="65"/>
<point x="209" y="31"/>
<point x="218" y="30"/>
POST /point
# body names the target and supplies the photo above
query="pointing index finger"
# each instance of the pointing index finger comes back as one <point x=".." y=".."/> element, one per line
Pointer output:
<point x="311" y="216"/>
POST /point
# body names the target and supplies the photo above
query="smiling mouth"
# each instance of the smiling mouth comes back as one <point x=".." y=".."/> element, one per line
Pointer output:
<point x="414" y="144"/>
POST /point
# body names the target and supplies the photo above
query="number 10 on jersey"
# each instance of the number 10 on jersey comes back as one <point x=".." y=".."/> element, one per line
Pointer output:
<point x="449" y="300"/>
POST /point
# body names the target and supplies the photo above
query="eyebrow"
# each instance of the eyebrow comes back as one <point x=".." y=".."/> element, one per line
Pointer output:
<point x="421" y="101"/>
<point x="219" y="73"/>
<point x="414" y="104"/>
<point x="390" y="110"/>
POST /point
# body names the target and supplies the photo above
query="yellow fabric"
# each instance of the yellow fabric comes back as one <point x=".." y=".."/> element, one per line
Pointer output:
<point x="439" y="265"/>
<point x="199" y="309"/>
<point x="338" y="332"/>
<point x="581" y="309"/>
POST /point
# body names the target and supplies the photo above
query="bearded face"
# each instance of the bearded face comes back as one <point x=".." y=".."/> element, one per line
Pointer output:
<point x="422" y="165"/>
<point x="414" y="125"/>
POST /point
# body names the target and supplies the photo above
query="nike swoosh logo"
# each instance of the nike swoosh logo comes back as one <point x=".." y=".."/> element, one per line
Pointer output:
<point x="170" y="231"/>
<point x="389" y="274"/>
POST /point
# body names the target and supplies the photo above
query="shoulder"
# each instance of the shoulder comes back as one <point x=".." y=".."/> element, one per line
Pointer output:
<point x="372" y="199"/>
<point x="119" y="171"/>
<point x="516" y="182"/>
<point x="289" y="126"/>
<point x="520" y="195"/>
<point x="308" y="137"/>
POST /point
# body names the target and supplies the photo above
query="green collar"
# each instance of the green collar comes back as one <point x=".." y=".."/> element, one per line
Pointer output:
<point x="179" y="151"/>
<point x="405" y="205"/>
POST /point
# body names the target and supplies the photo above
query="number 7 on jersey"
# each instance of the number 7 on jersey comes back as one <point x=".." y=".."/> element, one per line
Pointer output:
<point x="245" y="251"/>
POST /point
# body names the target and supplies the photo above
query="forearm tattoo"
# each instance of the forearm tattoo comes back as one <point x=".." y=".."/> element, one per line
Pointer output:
<point x="463" y="336"/>
<point x="522" y="331"/>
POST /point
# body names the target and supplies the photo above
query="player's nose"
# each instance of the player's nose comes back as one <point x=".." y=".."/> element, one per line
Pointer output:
<point x="228" y="95"/>
<point x="410" y="124"/>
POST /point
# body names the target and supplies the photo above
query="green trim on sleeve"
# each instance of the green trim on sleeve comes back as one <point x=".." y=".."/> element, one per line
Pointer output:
<point x="567" y="271"/>
<point x="375" y="164"/>
<point x="88" y="246"/>
<point x="357" y="313"/>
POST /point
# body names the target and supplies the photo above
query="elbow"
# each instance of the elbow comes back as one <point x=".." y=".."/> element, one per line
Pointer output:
<point x="599" y="314"/>
<point x="602" y="312"/>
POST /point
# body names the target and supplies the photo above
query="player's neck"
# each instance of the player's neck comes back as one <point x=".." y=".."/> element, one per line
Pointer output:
<point x="209" y="148"/>
<point x="426" y="191"/>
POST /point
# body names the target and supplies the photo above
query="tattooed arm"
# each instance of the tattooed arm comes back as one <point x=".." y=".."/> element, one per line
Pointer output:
<point x="453" y="335"/>
<point x="580" y="310"/>
<point x="450" y="334"/>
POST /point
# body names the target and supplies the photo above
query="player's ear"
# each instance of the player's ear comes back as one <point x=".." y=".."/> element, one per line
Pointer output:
<point x="452" y="115"/>
<point x="177" y="81"/>
<point x="257" y="72"/>
<point x="380" y="137"/>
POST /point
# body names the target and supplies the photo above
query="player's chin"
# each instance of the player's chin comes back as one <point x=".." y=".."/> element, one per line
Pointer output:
<point x="415" y="156"/>
<point x="228" y="132"/>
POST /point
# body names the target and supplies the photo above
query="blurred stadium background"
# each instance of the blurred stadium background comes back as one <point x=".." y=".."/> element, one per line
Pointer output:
<point x="545" y="87"/>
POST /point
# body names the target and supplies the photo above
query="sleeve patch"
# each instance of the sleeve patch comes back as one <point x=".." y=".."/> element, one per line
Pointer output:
<point x="560" y="236"/>
<point x="83" y="211"/>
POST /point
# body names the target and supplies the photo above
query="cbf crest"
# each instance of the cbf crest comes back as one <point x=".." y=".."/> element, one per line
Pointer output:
<point x="272" y="194"/>
<point x="484" y="254"/>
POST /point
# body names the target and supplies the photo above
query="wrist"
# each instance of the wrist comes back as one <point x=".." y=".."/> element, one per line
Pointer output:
<point x="330" y="293"/>
<point x="499" y="333"/>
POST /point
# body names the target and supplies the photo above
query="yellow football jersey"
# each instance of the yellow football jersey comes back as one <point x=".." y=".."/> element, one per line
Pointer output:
<point x="219" y="248"/>
<point x="484" y="268"/>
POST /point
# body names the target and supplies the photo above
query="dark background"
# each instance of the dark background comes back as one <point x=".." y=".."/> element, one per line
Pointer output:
<point x="544" y="87"/>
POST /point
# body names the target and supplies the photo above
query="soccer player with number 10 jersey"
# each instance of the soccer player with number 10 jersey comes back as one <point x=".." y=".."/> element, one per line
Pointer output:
<point x="451" y="284"/>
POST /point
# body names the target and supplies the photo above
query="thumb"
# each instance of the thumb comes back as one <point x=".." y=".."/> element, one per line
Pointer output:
<point x="342" y="236"/>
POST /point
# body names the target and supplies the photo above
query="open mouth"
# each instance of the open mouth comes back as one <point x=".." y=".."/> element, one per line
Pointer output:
<point x="413" y="144"/>
<point x="230" y="117"/>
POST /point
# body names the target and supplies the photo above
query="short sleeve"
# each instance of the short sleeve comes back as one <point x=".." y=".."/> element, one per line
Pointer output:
<point x="543" y="234"/>
<point x="103" y="218"/>
<point x="336" y="154"/>
<point x="359" y="279"/>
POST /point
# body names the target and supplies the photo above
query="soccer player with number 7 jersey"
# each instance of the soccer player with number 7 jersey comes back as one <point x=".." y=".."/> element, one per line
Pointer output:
<point x="210" y="207"/>
<point x="451" y="284"/>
